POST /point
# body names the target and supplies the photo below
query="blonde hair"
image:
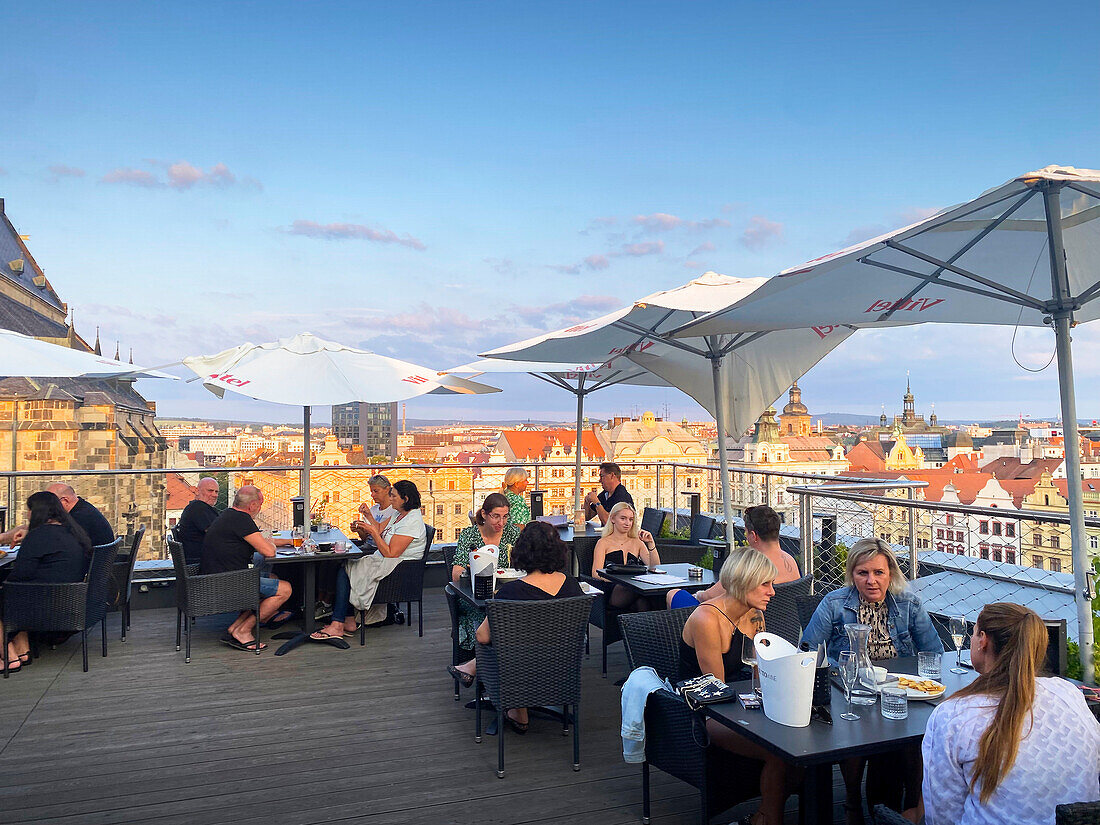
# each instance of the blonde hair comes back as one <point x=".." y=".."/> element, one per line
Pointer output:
<point x="609" y="527"/>
<point x="866" y="549"/>
<point x="512" y="475"/>
<point x="1019" y="640"/>
<point x="745" y="570"/>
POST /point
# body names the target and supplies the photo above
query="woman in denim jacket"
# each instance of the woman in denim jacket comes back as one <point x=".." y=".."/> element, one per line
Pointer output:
<point x="877" y="596"/>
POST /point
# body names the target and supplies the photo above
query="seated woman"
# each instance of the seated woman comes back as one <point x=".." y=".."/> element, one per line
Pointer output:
<point x="515" y="484"/>
<point x="490" y="527"/>
<point x="624" y="543"/>
<point x="55" y="550"/>
<point x="711" y="643"/>
<point x="1011" y="745"/>
<point x="403" y="538"/>
<point x="542" y="554"/>
<point x="876" y="595"/>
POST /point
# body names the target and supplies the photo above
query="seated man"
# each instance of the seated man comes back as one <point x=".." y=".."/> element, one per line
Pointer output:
<point x="229" y="544"/>
<point x="97" y="527"/>
<point x="599" y="506"/>
<point x="761" y="533"/>
<point x="197" y="517"/>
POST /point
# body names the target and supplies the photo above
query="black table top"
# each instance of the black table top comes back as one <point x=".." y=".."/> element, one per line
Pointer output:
<point x="284" y="556"/>
<point x="820" y="743"/>
<point x="678" y="570"/>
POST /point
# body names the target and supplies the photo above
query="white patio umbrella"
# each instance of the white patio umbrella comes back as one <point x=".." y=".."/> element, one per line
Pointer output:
<point x="309" y="371"/>
<point x="23" y="355"/>
<point x="1026" y="252"/>
<point x="579" y="379"/>
<point x="733" y="376"/>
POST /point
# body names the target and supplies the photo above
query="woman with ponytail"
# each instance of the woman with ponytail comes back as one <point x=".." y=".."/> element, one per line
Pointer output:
<point x="1012" y="745"/>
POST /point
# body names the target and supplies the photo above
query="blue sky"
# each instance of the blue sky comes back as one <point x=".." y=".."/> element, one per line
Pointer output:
<point x="430" y="180"/>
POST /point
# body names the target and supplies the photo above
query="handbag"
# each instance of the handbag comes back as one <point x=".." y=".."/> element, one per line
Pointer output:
<point x="626" y="569"/>
<point x="707" y="689"/>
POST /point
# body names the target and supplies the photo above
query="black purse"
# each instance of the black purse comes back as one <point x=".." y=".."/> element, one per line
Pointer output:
<point x="705" y="690"/>
<point x="636" y="569"/>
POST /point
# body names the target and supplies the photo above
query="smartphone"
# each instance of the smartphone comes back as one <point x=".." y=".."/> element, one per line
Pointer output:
<point x="749" y="701"/>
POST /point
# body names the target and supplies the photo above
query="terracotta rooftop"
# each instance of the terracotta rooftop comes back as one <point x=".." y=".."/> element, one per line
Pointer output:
<point x="533" y="445"/>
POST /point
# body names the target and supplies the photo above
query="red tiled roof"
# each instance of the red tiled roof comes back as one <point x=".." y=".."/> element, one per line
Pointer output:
<point x="867" y="455"/>
<point x="531" y="445"/>
<point x="1014" y="468"/>
<point x="177" y="492"/>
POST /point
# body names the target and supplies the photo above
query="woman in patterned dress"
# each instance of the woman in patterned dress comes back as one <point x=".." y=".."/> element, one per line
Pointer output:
<point x="515" y="484"/>
<point x="491" y="528"/>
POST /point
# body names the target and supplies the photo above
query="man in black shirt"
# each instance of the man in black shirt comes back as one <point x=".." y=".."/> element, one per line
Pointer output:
<point x="196" y="519"/>
<point x="229" y="544"/>
<point x="613" y="492"/>
<point x="97" y="527"/>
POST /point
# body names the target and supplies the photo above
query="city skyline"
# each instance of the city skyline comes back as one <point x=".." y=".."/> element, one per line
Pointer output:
<point x="459" y="177"/>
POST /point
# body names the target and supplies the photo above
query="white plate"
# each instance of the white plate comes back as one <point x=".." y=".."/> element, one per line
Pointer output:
<point x="910" y="693"/>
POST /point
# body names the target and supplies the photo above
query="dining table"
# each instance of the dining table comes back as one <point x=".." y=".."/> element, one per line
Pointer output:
<point x="818" y="746"/>
<point x="309" y="563"/>
<point x="663" y="578"/>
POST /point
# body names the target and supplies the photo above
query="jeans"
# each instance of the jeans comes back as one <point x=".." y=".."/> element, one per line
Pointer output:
<point x="341" y="604"/>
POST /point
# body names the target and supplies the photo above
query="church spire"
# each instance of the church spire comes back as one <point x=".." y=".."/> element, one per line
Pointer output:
<point x="117" y="356"/>
<point x="131" y="355"/>
<point x="98" y="350"/>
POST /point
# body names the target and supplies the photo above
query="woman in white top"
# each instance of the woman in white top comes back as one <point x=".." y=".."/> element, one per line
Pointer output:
<point x="402" y="538"/>
<point x="1009" y="747"/>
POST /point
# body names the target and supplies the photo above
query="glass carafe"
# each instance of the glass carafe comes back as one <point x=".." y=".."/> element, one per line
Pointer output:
<point x="864" y="692"/>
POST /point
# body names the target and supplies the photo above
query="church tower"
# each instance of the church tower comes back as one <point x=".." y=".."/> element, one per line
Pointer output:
<point x="795" y="419"/>
<point x="909" y="413"/>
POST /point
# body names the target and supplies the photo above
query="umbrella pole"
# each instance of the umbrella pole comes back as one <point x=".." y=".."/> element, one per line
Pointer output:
<point x="578" y="512"/>
<point x="720" y="393"/>
<point x="305" y="466"/>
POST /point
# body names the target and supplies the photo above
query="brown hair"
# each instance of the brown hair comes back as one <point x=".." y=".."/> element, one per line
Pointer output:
<point x="492" y="502"/>
<point x="763" y="521"/>
<point x="1019" y="640"/>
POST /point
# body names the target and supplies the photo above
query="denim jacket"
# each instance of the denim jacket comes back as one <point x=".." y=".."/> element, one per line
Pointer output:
<point x="910" y="628"/>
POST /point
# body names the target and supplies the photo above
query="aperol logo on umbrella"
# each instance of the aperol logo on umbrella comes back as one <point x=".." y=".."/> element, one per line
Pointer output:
<point x="227" y="378"/>
<point x="825" y="330"/>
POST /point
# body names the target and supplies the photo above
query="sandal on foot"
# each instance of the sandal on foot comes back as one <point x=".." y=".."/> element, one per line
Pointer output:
<point x="518" y="727"/>
<point x="465" y="678"/>
<point x="237" y="644"/>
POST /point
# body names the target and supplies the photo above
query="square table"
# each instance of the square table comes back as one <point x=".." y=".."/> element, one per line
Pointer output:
<point x="290" y="556"/>
<point x="678" y="570"/>
<point x="819" y="745"/>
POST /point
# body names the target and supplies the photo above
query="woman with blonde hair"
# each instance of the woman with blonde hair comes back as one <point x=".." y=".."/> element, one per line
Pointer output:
<point x="1010" y="746"/>
<point x="623" y="543"/>
<point x="711" y="642"/>
<point x="514" y="486"/>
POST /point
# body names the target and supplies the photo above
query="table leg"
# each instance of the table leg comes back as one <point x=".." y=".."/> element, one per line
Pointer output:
<point x="817" y="794"/>
<point x="309" y="597"/>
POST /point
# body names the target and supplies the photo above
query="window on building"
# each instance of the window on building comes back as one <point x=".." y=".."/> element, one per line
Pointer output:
<point x="950" y="520"/>
<point x="996" y="528"/>
<point x="439" y="509"/>
<point x="335" y="496"/>
<point x="324" y="498"/>
<point x="1055" y="541"/>
<point x="1094" y="543"/>
<point x="458" y="509"/>
<point x="1037" y="539"/>
<point x="356" y="495"/>
<point x="458" y="531"/>
<point x="939" y="533"/>
<point x="450" y="485"/>
<point x="983" y="527"/>
<point x="958" y="535"/>
<point x="997" y="556"/>
<point x="1037" y="561"/>
<point x="1055" y="565"/>
<point x="983" y="551"/>
<point x="1010" y="556"/>
<point x="1010" y="530"/>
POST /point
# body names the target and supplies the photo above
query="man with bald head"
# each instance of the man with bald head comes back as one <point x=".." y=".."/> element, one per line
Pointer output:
<point x="97" y="527"/>
<point x="229" y="544"/>
<point x="196" y="519"/>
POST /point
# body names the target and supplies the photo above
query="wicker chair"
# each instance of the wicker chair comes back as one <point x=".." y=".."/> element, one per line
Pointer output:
<point x="534" y="660"/>
<point x="405" y="583"/>
<point x="806" y="606"/>
<point x="458" y="654"/>
<point x="1078" y="813"/>
<point x="676" y="740"/>
<point x="782" y="617"/>
<point x="211" y="593"/>
<point x="652" y="520"/>
<point x="888" y="816"/>
<point x="604" y="616"/>
<point x="122" y="580"/>
<point x="69" y="607"/>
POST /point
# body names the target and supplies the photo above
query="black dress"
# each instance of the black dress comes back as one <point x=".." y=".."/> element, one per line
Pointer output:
<point x="735" y="669"/>
<point x="520" y="590"/>
<point x="49" y="553"/>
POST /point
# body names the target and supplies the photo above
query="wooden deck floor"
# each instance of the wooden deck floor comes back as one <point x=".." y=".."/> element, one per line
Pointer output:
<point x="367" y="735"/>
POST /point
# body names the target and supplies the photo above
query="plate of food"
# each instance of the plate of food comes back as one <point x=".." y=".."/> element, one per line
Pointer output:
<point x="918" y="688"/>
<point x="509" y="574"/>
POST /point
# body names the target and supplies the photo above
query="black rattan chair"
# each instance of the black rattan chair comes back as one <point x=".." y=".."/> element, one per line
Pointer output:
<point x="71" y="607"/>
<point x="1078" y="813"/>
<point x="534" y="660"/>
<point x="122" y="581"/>
<point x="211" y="593"/>
<point x="458" y="654"/>
<point x="652" y="520"/>
<point x="806" y="606"/>
<point x="782" y="617"/>
<point x="884" y="815"/>
<point x="604" y="616"/>
<point x="405" y="583"/>
<point x="676" y="740"/>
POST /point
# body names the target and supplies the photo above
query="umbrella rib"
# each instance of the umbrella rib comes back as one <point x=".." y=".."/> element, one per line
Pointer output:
<point x="966" y="248"/>
<point x="952" y="285"/>
<point x="645" y="333"/>
<point x="733" y="346"/>
<point x="552" y="379"/>
<point x="1007" y="290"/>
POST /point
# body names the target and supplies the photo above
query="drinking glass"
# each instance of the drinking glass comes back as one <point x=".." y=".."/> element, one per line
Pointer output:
<point x="928" y="665"/>
<point x="958" y="636"/>
<point x="297" y="536"/>
<point x="893" y="702"/>
<point x="849" y="672"/>
<point x="748" y="657"/>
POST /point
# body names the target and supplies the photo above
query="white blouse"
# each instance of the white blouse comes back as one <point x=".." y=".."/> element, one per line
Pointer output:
<point x="1058" y="760"/>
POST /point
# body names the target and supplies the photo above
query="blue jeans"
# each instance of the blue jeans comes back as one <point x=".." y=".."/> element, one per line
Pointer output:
<point x="341" y="600"/>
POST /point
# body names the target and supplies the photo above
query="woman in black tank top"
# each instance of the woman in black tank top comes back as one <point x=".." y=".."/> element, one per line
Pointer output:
<point x="711" y="643"/>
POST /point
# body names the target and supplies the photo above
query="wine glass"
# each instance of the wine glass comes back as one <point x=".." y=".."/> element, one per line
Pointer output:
<point x="958" y="636"/>
<point x="849" y="672"/>
<point x="748" y="658"/>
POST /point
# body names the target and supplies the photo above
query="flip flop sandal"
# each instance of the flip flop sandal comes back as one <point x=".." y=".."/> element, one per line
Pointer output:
<point x="518" y="727"/>
<point x="248" y="647"/>
<point x="465" y="678"/>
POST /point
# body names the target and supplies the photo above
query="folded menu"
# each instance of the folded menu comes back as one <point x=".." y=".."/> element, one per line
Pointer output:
<point x="659" y="578"/>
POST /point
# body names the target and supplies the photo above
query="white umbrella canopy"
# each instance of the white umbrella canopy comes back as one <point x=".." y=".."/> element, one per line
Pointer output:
<point x="1026" y="252"/>
<point x="306" y="370"/>
<point x="23" y="355"/>
<point x="745" y="371"/>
